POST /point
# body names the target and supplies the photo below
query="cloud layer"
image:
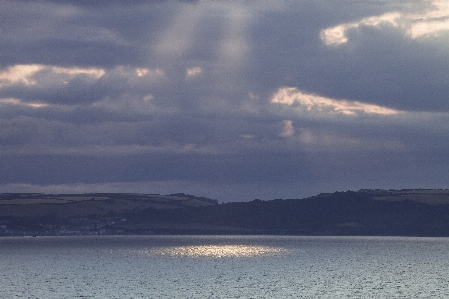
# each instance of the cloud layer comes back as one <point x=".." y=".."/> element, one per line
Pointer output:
<point x="227" y="99"/>
<point x="431" y="21"/>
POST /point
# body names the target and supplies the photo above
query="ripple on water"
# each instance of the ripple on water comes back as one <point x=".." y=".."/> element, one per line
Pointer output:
<point x="225" y="267"/>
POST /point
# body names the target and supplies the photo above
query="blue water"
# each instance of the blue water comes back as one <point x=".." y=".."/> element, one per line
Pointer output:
<point x="223" y="267"/>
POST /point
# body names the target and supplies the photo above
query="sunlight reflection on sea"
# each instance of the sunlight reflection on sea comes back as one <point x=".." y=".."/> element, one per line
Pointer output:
<point x="223" y="267"/>
<point x="215" y="251"/>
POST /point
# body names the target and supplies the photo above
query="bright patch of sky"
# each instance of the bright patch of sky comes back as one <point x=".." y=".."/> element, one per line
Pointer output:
<point x="193" y="72"/>
<point x="18" y="102"/>
<point x="314" y="103"/>
<point x="433" y="21"/>
<point x="27" y="74"/>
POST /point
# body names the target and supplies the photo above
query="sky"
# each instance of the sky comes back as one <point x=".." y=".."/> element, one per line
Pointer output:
<point x="231" y="100"/>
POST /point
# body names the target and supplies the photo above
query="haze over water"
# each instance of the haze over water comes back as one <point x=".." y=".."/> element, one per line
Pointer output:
<point x="224" y="267"/>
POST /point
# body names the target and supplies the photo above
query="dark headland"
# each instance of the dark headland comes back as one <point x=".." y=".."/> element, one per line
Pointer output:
<point x="410" y="212"/>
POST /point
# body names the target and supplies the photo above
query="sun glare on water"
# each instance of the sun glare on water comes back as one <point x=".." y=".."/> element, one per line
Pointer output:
<point x="218" y="251"/>
<point x="215" y="251"/>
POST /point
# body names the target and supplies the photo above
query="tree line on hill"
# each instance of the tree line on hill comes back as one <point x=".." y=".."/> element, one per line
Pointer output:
<point x="367" y="212"/>
<point x="340" y="213"/>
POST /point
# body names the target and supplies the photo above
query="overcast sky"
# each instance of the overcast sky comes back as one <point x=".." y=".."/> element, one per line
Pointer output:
<point x="232" y="100"/>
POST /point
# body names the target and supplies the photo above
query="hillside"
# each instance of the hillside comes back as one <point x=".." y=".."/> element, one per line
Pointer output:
<point x="365" y="212"/>
<point x="37" y="205"/>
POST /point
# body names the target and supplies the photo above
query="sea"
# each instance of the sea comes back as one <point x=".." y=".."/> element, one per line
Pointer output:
<point x="223" y="267"/>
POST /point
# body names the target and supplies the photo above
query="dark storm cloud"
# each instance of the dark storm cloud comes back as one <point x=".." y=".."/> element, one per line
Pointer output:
<point x="54" y="32"/>
<point x="223" y="98"/>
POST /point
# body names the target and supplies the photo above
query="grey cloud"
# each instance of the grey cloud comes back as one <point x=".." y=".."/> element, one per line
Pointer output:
<point x="146" y="121"/>
<point x="377" y="65"/>
<point x="113" y="3"/>
<point x="54" y="33"/>
<point x="331" y="172"/>
<point x="78" y="91"/>
<point x="390" y="70"/>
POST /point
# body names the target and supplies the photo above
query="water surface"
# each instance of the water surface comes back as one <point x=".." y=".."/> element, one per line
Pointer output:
<point x="223" y="267"/>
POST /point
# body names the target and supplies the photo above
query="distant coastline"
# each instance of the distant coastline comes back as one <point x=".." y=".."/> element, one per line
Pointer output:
<point x="376" y="212"/>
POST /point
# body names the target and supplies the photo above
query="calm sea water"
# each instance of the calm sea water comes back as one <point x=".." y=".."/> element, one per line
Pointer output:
<point x="223" y="267"/>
